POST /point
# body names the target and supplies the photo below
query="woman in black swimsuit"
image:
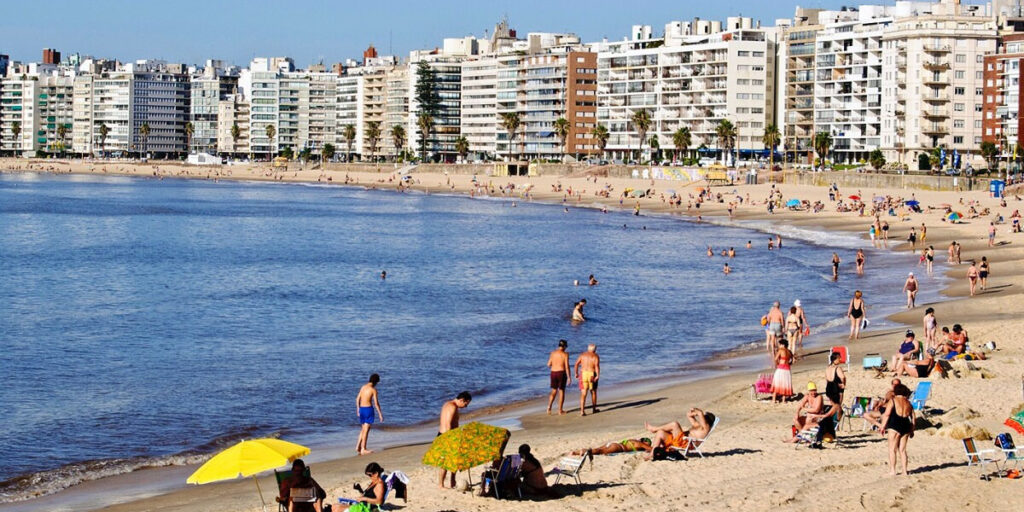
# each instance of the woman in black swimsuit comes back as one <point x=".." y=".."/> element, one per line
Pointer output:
<point x="835" y="380"/>
<point x="855" y="312"/>
<point x="835" y="267"/>
<point x="983" y="270"/>
<point x="898" y="423"/>
<point x="373" y="495"/>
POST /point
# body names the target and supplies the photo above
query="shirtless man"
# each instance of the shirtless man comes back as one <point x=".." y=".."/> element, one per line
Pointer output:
<point x="588" y="371"/>
<point x="450" y="420"/>
<point x="592" y="281"/>
<point x="803" y="323"/>
<point x="366" y="402"/>
<point x="812" y="403"/>
<point x="773" y="329"/>
<point x="577" y="311"/>
<point x="558" y="361"/>
<point x="672" y="435"/>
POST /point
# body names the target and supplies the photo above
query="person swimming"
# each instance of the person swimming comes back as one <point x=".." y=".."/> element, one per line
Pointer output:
<point x="726" y="270"/>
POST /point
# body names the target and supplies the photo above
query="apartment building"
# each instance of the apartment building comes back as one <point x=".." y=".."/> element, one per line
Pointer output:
<point x="396" y="108"/>
<point x="232" y="111"/>
<point x="373" y="99"/>
<point x="1002" y="91"/>
<point x="799" y="70"/>
<point x="39" y="104"/>
<point x="446" y="83"/>
<point x="479" y="111"/>
<point x="348" y="111"/>
<point x="695" y="77"/>
<point x="933" y="76"/>
<point x="208" y="88"/>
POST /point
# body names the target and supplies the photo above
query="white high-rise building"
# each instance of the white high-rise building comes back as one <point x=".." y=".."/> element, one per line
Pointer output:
<point x="209" y="85"/>
<point x="40" y="106"/>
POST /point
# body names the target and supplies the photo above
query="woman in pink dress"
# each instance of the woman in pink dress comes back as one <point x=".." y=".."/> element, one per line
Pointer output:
<point x="782" y="382"/>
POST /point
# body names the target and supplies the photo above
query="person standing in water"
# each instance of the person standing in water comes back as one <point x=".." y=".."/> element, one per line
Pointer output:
<point x="577" y="312"/>
<point x="588" y="371"/>
<point x="366" y="402"/>
<point x="860" y="262"/>
<point x="856" y="314"/>
<point x="804" y="326"/>
<point x="910" y="287"/>
<point x="558" y="362"/>
<point x="835" y="266"/>
<point x="592" y="281"/>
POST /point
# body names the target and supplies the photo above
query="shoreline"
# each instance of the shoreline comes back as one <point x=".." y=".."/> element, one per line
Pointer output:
<point x="631" y="395"/>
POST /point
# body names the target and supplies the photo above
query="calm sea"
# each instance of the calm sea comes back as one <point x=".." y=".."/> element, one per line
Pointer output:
<point x="148" y="321"/>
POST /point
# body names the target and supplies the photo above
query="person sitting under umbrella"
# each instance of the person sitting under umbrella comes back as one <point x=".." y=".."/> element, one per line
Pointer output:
<point x="300" y="491"/>
<point x="373" y="495"/>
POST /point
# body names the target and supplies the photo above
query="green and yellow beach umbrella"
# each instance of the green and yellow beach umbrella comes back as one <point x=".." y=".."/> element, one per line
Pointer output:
<point x="466" y="447"/>
<point x="248" y="458"/>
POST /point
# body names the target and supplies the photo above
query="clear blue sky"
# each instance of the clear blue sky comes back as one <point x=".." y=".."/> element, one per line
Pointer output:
<point x="192" y="31"/>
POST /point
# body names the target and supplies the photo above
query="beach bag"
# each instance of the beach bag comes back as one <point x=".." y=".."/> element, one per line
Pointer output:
<point x="864" y="323"/>
<point x="764" y="320"/>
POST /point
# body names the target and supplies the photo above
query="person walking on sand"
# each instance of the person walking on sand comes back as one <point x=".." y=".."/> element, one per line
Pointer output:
<point x="366" y="402"/>
<point x="972" y="277"/>
<point x="588" y="371"/>
<point x="860" y="262"/>
<point x="835" y="266"/>
<point x="773" y="327"/>
<point x="856" y="313"/>
<point x="991" y="234"/>
<point x="910" y="288"/>
<point x="983" y="271"/>
<point x="577" y="312"/>
<point x="558" y="362"/>
<point x="930" y="324"/>
<point x="898" y="427"/>
<point x="450" y="420"/>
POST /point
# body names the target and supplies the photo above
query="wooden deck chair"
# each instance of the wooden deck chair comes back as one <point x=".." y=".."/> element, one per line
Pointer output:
<point x="844" y="351"/>
<point x="694" y="445"/>
<point x="979" y="458"/>
<point x="571" y="467"/>
<point x="919" y="400"/>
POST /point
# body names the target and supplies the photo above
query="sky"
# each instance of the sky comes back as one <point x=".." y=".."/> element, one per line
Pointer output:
<point x="311" y="31"/>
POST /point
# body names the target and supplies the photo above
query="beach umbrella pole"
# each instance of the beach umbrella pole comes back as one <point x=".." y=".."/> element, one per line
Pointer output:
<point x="254" y="479"/>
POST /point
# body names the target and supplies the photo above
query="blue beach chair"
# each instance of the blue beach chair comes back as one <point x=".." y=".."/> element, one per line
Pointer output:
<point x="919" y="400"/>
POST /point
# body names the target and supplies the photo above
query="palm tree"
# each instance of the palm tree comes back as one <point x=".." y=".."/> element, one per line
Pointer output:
<point x="682" y="139"/>
<point x="372" y="137"/>
<point x="327" y="152"/>
<point x="16" y="131"/>
<point x="425" y="123"/>
<point x="771" y="140"/>
<point x="726" y="133"/>
<point x="236" y="132"/>
<point x="562" y="130"/>
<point x="104" y="131"/>
<point x="601" y="135"/>
<point x="398" y="138"/>
<point x="62" y="133"/>
<point x="144" y="131"/>
<point x="642" y="122"/>
<point x="349" y="134"/>
<point x="510" y="122"/>
<point x="462" y="147"/>
<point x="190" y="130"/>
<point x="271" y="132"/>
<point x="823" y="145"/>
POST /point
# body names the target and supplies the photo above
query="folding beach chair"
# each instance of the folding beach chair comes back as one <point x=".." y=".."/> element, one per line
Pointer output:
<point x="571" y="467"/>
<point x="694" y="445"/>
<point x="280" y="477"/>
<point x="979" y="458"/>
<point x="761" y="389"/>
<point x="508" y="476"/>
<point x="844" y="353"/>
<point x="856" y="411"/>
<point x="1014" y="455"/>
<point x="919" y="400"/>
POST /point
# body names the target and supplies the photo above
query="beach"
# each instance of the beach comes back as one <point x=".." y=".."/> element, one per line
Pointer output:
<point x="747" y="464"/>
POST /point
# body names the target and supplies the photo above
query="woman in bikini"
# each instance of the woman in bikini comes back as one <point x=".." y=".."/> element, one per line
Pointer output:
<point x="792" y="325"/>
<point x="983" y="271"/>
<point x="972" y="277"/>
<point x="855" y="313"/>
<point x="898" y="427"/>
<point x="642" y="444"/>
<point x="860" y="262"/>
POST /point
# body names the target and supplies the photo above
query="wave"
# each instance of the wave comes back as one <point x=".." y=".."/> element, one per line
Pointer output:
<point x="42" y="483"/>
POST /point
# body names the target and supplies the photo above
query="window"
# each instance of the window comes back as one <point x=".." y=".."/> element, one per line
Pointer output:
<point x="959" y="91"/>
<point x="961" y="58"/>
<point x="960" y="75"/>
<point x="958" y="107"/>
<point x="958" y="123"/>
<point x="958" y="139"/>
<point x="977" y="125"/>
<point x="978" y="107"/>
<point x="978" y="91"/>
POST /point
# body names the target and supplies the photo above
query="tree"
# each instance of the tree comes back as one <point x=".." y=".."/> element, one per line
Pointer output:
<point x="682" y="139"/>
<point x="823" y="146"/>
<point x="462" y="147"/>
<point x="425" y="124"/>
<point x="327" y="152"/>
<point x="144" y="131"/>
<point x="373" y="137"/>
<point x="349" y="134"/>
<point x="15" y="132"/>
<point x="877" y="159"/>
<point x="287" y="152"/>
<point x="601" y="135"/>
<point x="236" y="132"/>
<point x="655" y="146"/>
<point x="104" y="131"/>
<point x="771" y="140"/>
<point x="426" y="89"/>
<point x="935" y="158"/>
<point x="398" y="138"/>
<point x="989" y="151"/>
<point x="726" y="133"/>
<point x="190" y="130"/>
<point x="271" y="132"/>
<point x="306" y="154"/>
<point x="562" y="130"/>
<point x="510" y="122"/>
<point x="62" y="133"/>
<point x="641" y="123"/>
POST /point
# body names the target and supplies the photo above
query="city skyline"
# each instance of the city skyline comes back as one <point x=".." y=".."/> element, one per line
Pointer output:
<point x="112" y="28"/>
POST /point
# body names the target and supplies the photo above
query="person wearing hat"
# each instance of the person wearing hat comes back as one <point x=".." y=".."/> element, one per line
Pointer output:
<point x="811" y="404"/>
<point x="910" y="287"/>
<point x="908" y="350"/>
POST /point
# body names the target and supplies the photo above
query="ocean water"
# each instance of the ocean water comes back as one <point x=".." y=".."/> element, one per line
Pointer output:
<point x="152" y="322"/>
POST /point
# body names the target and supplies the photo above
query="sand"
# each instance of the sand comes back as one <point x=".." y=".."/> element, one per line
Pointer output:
<point x="747" y="464"/>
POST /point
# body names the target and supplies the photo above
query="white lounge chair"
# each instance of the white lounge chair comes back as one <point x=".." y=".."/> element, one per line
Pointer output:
<point x="980" y="458"/>
<point x="571" y="467"/>
<point x="694" y="445"/>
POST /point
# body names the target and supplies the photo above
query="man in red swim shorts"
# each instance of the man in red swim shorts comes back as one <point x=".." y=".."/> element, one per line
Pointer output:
<point x="558" y="361"/>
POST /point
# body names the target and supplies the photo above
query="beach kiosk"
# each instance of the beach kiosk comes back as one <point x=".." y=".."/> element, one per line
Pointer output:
<point x="280" y="162"/>
<point x="512" y="169"/>
<point x="995" y="187"/>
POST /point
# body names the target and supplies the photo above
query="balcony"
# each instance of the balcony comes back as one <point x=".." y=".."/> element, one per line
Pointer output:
<point x="935" y="115"/>
<point x="936" y="66"/>
<point x="936" y="99"/>
<point x="936" y="48"/>
<point x="936" y="81"/>
<point x="935" y="130"/>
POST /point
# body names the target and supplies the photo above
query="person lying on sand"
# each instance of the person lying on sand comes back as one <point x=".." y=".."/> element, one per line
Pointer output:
<point x="672" y="436"/>
<point x="642" y="444"/>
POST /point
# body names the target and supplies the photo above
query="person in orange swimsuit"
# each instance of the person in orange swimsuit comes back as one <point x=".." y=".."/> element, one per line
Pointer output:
<point x="672" y="436"/>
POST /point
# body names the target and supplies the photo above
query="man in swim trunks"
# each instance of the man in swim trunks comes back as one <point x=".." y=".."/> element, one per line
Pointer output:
<point x="366" y="402"/>
<point x="588" y="371"/>
<point x="558" y="361"/>
<point x="773" y="329"/>
<point x="449" y="421"/>
<point x="671" y="435"/>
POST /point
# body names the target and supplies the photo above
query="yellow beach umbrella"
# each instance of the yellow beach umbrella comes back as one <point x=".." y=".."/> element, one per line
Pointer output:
<point x="248" y="458"/>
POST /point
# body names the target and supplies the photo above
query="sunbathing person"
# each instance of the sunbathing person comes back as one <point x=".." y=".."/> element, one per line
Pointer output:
<point x="672" y="435"/>
<point x="625" y="446"/>
<point x="811" y="404"/>
<point x="912" y="368"/>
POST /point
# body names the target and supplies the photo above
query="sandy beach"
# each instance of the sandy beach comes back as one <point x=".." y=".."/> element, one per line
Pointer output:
<point x="747" y="465"/>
